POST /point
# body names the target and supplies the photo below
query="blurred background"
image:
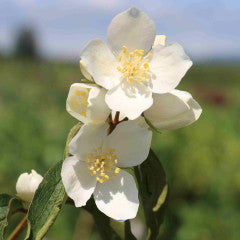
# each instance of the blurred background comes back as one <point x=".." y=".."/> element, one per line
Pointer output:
<point x="40" y="42"/>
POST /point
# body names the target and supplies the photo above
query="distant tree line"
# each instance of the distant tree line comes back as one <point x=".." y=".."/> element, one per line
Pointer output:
<point x="25" y="45"/>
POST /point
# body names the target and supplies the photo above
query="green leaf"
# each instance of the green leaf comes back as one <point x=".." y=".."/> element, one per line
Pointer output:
<point x="71" y="134"/>
<point x="103" y="223"/>
<point x="8" y="205"/>
<point x="153" y="189"/>
<point x="4" y="201"/>
<point x="128" y="233"/>
<point x="47" y="203"/>
<point x="49" y="197"/>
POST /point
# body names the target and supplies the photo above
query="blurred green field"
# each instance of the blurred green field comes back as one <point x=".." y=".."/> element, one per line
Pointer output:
<point x="202" y="161"/>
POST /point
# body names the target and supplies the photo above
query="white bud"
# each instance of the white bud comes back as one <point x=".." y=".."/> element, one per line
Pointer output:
<point x="27" y="184"/>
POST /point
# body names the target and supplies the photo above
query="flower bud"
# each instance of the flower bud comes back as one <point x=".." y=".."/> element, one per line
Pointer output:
<point x="27" y="184"/>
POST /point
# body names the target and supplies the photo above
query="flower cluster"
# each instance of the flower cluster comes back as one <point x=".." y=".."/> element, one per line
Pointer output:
<point x="130" y="86"/>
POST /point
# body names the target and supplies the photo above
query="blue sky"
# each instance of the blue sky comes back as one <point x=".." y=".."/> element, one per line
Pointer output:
<point x="207" y="29"/>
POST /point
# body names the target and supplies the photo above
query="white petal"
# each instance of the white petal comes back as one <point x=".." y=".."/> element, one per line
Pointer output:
<point x="173" y="110"/>
<point x="131" y="143"/>
<point x="133" y="29"/>
<point x="130" y="99"/>
<point x="118" y="197"/>
<point x="75" y="105"/>
<point x="160" y="39"/>
<point x="101" y="63"/>
<point x="168" y="65"/>
<point x="89" y="137"/>
<point x="84" y="71"/>
<point x="27" y="184"/>
<point x="97" y="111"/>
<point x="140" y="121"/>
<point x="78" y="182"/>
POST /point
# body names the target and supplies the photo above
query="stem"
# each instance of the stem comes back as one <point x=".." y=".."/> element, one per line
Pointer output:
<point x="114" y="123"/>
<point x="18" y="230"/>
<point x="116" y="119"/>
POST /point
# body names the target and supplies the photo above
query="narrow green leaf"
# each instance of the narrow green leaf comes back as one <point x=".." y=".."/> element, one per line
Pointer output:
<point x="128" y="233"/>
<point x="47" y="203"/>
<point x="71" y="134"/>
<point x="8" y="205"/>
<point x="153" y="191"/>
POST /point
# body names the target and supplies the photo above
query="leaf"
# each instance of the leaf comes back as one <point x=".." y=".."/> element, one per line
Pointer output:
<point x="4" y="201"/>
<point x="153" y="189"/>
<point x="47" y="203"/>
<point x="71" y="134"/>
<point x="49" y="197"/>
<point x="128" y="233"/>
<point x="8" y="205"/>
<point x="103" y="222"/>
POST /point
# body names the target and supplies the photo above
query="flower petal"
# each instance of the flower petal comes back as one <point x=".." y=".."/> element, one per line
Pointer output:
<point x="173" y="110"/>
<point x="84" y="71"/>
<point x="131" y="143"/>
<point x="78" y="182"/>
<point x="89" y="137"/>
<point x="133" y="29"/>
<point x="97" y="111"/>
<point x="101" y="63"/>
<point x="130" y="99"/>
<point x="118" y="197"/>
<point x="168" y="66"/>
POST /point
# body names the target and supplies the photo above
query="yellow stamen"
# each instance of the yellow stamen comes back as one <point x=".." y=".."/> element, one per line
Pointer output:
<point x="133" y="66"/>
<point x="102" y="164"/>
<point x="80" y="100"/>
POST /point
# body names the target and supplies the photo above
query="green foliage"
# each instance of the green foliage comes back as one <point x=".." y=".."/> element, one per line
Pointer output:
<point x="153" y="191"/>
<point x="47" y="203"/>
<point x="201" y="160"/>
<point x="8" y="205"/>
<point x="102" y="222"/>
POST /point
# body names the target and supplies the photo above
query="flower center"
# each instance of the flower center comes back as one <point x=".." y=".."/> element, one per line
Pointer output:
<point x="102" y="164"/>
<point x="80" y="101"/>
<point x="133" y="65"/>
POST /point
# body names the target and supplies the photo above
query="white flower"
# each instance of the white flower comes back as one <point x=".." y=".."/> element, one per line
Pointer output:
<point x="86" y="103"/>
<point x="95" y="166"/>
<point x="132" y="68"/>
<point x="173" y="110"/>
<point x="27" y="184"/>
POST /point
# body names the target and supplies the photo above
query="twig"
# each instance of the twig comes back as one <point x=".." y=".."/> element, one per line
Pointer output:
<point x="116" y="119"/>
<point x="18" y="230"/>
<point x="114" y="123"/>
